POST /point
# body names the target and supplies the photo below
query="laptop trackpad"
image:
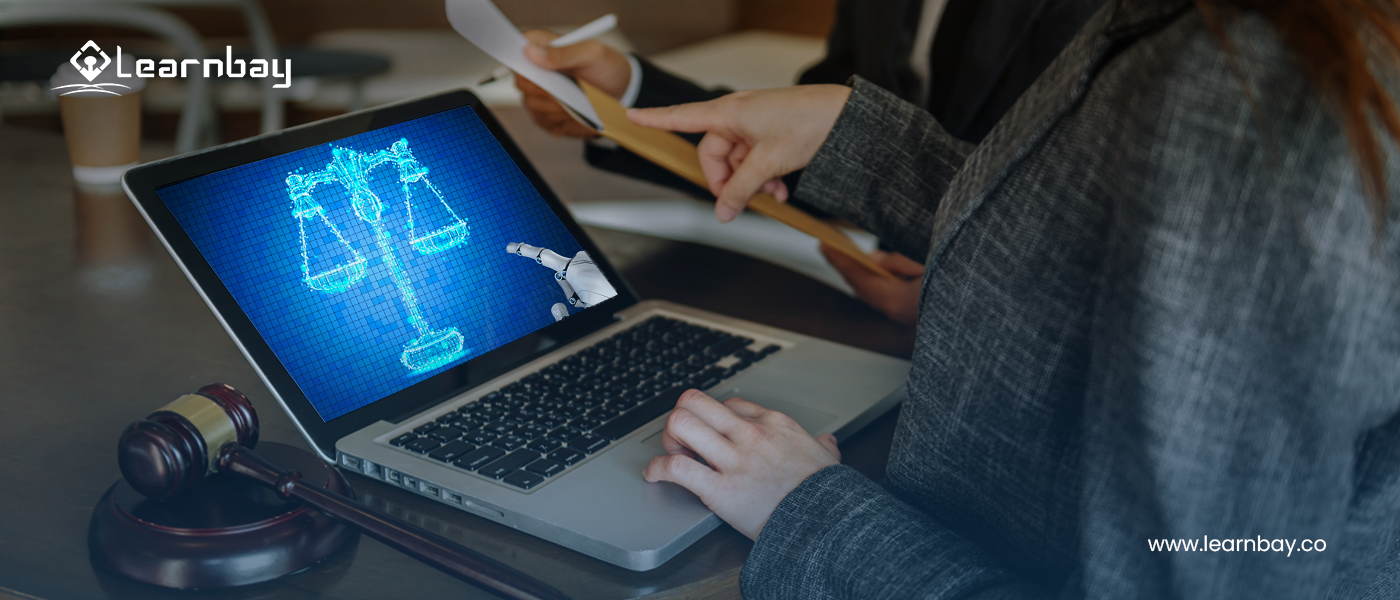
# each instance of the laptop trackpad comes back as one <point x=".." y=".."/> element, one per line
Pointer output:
<point x="810" y="420"/>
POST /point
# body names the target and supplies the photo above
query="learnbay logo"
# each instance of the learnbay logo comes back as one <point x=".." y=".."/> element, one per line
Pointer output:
<point x="91" y="61"/>
<point x="89" y="69"/>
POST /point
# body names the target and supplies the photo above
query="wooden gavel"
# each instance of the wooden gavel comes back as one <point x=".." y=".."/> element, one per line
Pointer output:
<point x="214" y="431"/>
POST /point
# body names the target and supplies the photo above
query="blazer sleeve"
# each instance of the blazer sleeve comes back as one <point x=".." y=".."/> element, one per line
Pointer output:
<point x="1240" y="391"/>
<point x="885" y="166"/>
<point x="841" y="535"/>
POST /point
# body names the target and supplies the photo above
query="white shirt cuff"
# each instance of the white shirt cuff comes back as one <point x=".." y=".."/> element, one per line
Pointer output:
<point x="634" y="85"/>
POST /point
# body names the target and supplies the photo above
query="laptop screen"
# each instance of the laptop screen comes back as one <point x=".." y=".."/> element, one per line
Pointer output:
<point x="378" y="260"/>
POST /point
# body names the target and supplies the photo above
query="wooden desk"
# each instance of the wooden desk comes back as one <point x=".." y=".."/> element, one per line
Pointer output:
<point x="98" y="327"/>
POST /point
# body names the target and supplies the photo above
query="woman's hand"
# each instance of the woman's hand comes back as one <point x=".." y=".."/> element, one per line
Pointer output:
<point x="898" y="299"/>
<point x="589" y="60"/>
<point x="753" y="457"/>
<point x="753" y="137"/>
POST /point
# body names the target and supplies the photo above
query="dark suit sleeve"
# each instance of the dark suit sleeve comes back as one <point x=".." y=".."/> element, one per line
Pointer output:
<point x="659" y="88"/>
<point x="840" y="61"/>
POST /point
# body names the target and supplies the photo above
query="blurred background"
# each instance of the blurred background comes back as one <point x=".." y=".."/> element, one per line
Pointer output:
<point x="348" y="54"/>
<point x="352" y="54"/>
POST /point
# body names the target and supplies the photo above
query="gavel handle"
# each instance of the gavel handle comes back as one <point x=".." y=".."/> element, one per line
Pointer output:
<point x="438" y="551"/>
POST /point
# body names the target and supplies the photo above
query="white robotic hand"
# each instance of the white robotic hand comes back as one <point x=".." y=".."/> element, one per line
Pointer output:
<point x="583" y="284"/>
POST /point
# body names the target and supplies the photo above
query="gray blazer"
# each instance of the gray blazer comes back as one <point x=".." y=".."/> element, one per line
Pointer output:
<point x="1153" y="309"/>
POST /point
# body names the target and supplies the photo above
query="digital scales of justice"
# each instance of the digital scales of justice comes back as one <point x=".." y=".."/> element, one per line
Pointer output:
<point x="329" y="264"/>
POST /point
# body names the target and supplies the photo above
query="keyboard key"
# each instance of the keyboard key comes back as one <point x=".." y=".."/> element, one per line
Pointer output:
<point x="509" y="442"/>
<point x="589" y="443"/>
<point x="568" y="412"/>
<point x="511" y="462"/>
<point x="566" y="456"/>
<point x="531" y="431"/>
<point x="403" y="439"/>
<point x="543" y="445"/>
<point x="524" y="479"/>
<point x="641" y="415"/>
<point x="451" y="451"/>
<point x="603" y="413"/>
<point x="478" y="458"/>
<point x="498" y="427"/>
<point x="550" y="421"/>
<point x="545" y="467"/>
<point x="585" y="423"/>
<point x="444" y="434"/>
<point x="480" y="438"/>
<point x="769" y="349"/>
<point x="727" y="346"/>
<point x="563" y="434"/>
<point x="422" y="445"/>
<point x="466" y="423"/>
<point x="421" y="429"/>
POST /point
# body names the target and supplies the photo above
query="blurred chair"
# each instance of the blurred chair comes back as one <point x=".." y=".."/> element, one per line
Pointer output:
<point x="194" y="118"/>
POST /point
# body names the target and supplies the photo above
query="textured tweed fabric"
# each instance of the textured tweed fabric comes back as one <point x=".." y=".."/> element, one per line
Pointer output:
<point x="1156" y="306"/>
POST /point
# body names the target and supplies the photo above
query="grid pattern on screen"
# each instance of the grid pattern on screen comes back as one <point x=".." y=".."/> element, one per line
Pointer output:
<point x="345" y="337"/>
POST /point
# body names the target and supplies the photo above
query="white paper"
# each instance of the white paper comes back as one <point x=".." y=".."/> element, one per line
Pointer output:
<point x="484" y="25"/>
<point x="749" y="234"/>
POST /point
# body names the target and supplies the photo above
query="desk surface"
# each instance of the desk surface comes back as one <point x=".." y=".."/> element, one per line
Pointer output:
<point x="98" y="327"/>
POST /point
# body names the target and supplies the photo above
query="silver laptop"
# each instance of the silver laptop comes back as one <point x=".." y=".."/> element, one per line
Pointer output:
<point x="429" y="315"/>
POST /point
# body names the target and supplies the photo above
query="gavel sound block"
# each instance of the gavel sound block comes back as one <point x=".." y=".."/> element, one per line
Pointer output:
<point x="225" y="532"/>
<point x="166" y="524"/>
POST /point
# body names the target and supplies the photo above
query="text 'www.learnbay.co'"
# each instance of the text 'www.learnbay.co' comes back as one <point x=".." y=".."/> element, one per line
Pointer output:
<point x="1256" y="544"/>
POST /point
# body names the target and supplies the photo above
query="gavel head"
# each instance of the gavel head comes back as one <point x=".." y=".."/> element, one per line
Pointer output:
<point x="173" y="448"/>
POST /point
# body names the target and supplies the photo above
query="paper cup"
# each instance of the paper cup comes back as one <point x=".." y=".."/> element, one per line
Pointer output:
<point x="101" y="121"/>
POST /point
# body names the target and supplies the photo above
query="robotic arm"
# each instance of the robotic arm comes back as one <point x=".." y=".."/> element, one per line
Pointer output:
<point x="580" y="280"/>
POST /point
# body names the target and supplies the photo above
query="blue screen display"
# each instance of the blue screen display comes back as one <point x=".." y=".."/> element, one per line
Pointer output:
<point x="379" y="260"/>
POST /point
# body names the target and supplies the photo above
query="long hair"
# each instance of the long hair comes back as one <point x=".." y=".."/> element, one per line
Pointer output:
<point x="1344" y="47"/>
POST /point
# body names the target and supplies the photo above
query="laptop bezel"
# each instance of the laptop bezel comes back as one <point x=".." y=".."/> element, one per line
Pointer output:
<point x="142" y="183"/>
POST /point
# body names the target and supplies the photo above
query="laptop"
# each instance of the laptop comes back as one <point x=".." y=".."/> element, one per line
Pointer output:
<point x="429" y="315"/>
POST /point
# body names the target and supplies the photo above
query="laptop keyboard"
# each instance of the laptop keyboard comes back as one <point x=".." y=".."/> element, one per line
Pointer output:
<point x="535" y="428"/>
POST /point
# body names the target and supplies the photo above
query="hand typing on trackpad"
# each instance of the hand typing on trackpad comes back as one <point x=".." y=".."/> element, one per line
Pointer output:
<point x="810" y="420"/>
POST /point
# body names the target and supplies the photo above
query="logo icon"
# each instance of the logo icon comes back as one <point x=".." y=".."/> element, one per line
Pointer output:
<point x="89" y="69"/>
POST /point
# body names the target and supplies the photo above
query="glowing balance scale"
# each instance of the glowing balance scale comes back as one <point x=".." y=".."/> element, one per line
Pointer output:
<point x="329" y="264"/>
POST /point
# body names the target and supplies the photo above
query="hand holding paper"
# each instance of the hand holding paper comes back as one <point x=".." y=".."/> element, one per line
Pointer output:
<point x="483" y="24"/>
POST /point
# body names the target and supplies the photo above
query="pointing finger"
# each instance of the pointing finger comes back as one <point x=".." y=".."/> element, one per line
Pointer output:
<point x="690" y="118"/>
